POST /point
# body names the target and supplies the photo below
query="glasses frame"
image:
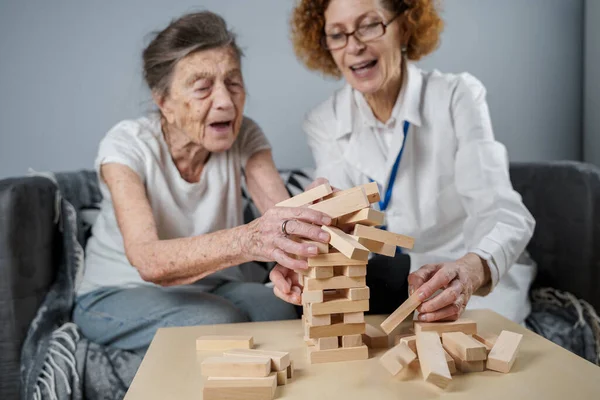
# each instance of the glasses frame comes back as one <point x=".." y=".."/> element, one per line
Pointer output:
<point x="353" y="33"/>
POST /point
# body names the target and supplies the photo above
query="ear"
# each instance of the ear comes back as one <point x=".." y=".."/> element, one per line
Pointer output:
<point x="164" y="103"/>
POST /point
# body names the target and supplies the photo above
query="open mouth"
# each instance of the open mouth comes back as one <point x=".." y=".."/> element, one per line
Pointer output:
<point x="364" y="66"/>
<point x="222" y="124"/>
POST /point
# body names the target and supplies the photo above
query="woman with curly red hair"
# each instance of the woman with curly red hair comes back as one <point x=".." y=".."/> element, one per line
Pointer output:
<point x="426" y="138"/>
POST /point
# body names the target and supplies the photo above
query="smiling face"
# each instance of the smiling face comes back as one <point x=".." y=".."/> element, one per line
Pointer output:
<point x="206" y="98"/>
<point x="368" y="67"/>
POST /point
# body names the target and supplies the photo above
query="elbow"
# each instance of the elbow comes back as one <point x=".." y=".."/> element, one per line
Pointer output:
<point x="149" y="271"/>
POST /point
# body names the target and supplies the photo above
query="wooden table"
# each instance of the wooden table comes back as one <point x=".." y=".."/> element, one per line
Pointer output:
<point x="543" y="370"/>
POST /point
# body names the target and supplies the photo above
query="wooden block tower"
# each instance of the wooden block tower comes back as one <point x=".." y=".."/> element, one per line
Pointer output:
<point x="336" y="295"/>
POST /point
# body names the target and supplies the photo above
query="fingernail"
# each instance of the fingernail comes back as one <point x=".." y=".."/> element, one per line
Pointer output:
<point x="313" y="249"/>
<point x="422" y="317"/>
<point x="421" y="296"/>
<point x="324" y="236"/>
<point x="326" y="220"/>
<point x="411" y="290"/>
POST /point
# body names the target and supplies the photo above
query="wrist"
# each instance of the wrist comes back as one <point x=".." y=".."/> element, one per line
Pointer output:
<point x="242" y="235"/>
<point x="479" y="270"/>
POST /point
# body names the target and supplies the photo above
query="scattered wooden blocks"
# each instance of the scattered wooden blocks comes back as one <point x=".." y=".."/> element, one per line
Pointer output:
<point x="463" y="346"/>
<point x="504" y="353"/>
<point x="336" y="355"/>
<point x="374" y="338"/>
<point x="488" y="339"/>
<point x="465" y="326"/>
<point x="405" y="309"/>
<point x="236" y="367"/>
<point x="433" y="359"/>
<point x="240" y="388"/>
<point x="220" y="343"/>
<point x="397" y="358"/>
<point x="279" y="360"/>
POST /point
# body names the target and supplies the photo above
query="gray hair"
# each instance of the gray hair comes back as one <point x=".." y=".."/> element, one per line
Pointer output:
<point x="190" y="33"/>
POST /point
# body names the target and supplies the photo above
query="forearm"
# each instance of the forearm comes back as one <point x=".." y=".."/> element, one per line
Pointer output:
<point x="264" y="182"/>
<point x="186" y="260"/>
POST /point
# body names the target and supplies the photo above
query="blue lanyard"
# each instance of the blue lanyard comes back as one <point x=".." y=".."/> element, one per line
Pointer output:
<point x="383" y="204"/>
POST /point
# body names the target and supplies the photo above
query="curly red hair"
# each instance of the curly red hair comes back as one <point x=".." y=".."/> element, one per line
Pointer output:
<point x="421" y="18"/>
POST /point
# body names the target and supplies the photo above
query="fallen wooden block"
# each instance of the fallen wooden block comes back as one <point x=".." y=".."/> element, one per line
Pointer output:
<point x="327" y="343"/>
<point x="315" y="332"/>
<point x="345" y="244"/>
<point x="432" y="359"/>
<point x="307" y="197"/>
<point x="449" y="360"/>
<point x="332" y="259"/>
<point x="366" y="216"/>
<point x="371" y="190"/>
<point x="290" y="370"/>
<point x="279" y="359"/>
<point x="397" y="358"/>
<point x="339" y="307"/>
<point x="337" y="355"/>
<point x="368" y="232"/>
<point x="377" y="247"/>
<point x="488" y="339"/>
<point x="405" y="309"/>
<point x="352" y="341"/>
<point x="220" y="343"/>
<point x="228" y="388"/>
<point x="466" y="326"/>
<point x="463" y="346"/>
<point x="410" y="340"/>
<point x="337" y="282"/>
<point x="354" y="200"/>
<point x="374" y="338"/>
<point x="236" y="367"/>
<point x="504" y="353"/>
<point x="354" y="317"/>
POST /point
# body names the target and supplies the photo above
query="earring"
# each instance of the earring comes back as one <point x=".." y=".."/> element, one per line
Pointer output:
<point x="403" y="49"/>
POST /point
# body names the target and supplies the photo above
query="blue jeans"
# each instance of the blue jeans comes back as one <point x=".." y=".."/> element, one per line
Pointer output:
<point x="127" y="318"/>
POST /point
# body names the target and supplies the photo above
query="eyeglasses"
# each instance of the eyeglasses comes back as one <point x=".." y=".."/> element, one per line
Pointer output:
<point x="364" y="33"/>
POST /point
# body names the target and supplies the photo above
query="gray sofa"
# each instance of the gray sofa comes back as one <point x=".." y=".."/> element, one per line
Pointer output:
<point x="564" y="197"/>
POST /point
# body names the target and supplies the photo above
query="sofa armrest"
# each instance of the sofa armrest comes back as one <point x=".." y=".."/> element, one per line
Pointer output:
<point x="27" y="251"/>
<point x="564" y="198"/>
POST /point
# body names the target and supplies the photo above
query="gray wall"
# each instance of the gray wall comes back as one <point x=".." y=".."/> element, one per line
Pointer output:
<point x="69" y="70"/>
<point x="592" y="82"/>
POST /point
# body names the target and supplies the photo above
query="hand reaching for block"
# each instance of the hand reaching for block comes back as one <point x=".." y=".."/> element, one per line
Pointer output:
<point x="288" y="284"/>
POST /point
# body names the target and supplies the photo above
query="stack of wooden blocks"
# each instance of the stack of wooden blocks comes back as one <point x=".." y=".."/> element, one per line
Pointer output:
<point x="242" y="372"/>
<point x="335" y="294"/>
<point x="441" y="349"/>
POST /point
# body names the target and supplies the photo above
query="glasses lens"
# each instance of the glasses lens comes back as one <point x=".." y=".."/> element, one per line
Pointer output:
<point x="335" y="41"/>
<point x="370" y="31"/>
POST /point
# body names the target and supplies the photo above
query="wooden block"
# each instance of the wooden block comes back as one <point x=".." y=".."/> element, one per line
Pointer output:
<point x="309" y="196"/>
<point x="290" y="370"/>
<point x="317" y="320"/>
<point x="488" y="339"/>
<point x="227" y="388"/>
<point x="397" y="358"/>
<point x="341" y="306"/>
<point x="322" y="248"/>
<point x="315" y="332"/>
<point x="469" y="366"/>
<point x="220" y="343"/>
<point x="337" y="355"/>
<point x="504" y="353"/>
<point x="354" y="270"/>
<point x="410" y="341"/>
<point x="352" y="341"/>
<point x="370" y="189"/>
<point x="312" y="296"/>
<point x="466" y="326"/>
<point x="310" y="341"/>
<point x="432" y="359"/>
<point x="395" y="239"/>
<point x="366" y="216"/>
<point x="354" y="200"/>
<point x="282" y="377"/>
<point x="236" y="366"/>
<point x="463" y="346"/>
<point x="332" y="259"/>
<point x="354" y="318"/>
<point x="449" y="360"/>
<point x="327" y="343"/>
<point x="279" y="359"/>
<point x="337" y="282"/>
<point x="377" y="247"/>
<point x="320" y="272"/>
<point x="363" y="293"/>
<point x="374" y="338"/>
<point x="345" y="244"/>
<point x="405" y="309"/>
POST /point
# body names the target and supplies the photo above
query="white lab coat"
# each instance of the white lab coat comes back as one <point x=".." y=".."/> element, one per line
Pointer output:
<point x="452" y="191"/>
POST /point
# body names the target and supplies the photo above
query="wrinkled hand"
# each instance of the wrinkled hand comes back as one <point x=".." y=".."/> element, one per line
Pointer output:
<point x="288" y="284"/>
<point x="458" y="279"/>
<point x="263" y="239"/>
